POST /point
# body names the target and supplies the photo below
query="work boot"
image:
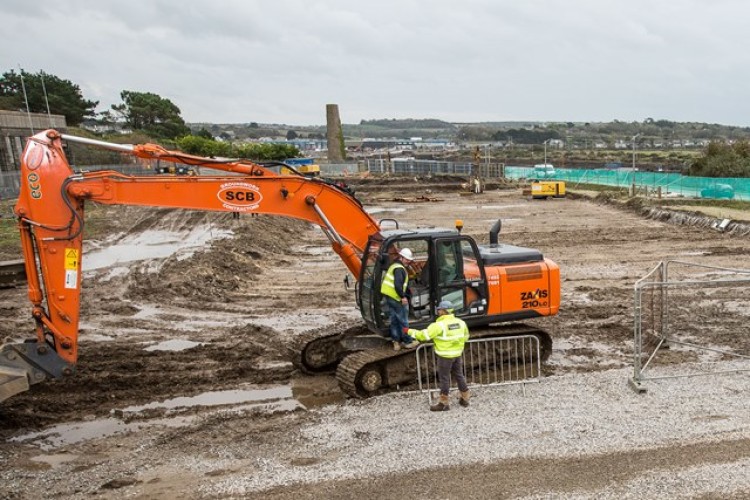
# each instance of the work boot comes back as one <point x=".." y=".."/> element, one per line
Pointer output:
<point x="411" y="345"/>
<point x="441" y="405"/>
<point x="396" y="346"/>
<point x="464" y="399"/>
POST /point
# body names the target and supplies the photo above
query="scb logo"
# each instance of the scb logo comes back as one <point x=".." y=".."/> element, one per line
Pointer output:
<point x="239" y="195"/>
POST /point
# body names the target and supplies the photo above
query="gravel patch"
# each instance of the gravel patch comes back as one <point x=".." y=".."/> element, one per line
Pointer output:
<point x="562" y="417"/>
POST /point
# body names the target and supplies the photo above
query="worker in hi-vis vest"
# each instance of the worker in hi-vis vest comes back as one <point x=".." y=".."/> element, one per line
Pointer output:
<point x="395" y="289"/>
<point x="448" y="335"/>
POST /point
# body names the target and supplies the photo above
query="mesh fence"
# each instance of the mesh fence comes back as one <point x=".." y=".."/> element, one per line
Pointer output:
<point x="670" y="183"/>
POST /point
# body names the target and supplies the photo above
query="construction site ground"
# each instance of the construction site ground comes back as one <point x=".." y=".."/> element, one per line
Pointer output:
<point x="184" y="387"/>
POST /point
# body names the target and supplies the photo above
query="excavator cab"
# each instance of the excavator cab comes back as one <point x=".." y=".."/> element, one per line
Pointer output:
<point x="446" y="266"/>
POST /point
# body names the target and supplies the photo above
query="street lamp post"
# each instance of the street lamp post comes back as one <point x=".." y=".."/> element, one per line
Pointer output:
<point x="545" y="151"/>
<point x="634" y="138"/>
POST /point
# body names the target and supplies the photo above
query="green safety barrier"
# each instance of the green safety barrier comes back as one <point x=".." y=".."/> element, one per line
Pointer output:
<point x="671" y="184"/>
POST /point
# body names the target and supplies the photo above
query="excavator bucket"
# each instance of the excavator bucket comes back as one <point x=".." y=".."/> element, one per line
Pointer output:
<point x="27" y="363"/>
<point x="12" y="381"/>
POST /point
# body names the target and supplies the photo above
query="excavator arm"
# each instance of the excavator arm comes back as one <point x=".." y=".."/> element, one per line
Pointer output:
<point x="50" y="213"/>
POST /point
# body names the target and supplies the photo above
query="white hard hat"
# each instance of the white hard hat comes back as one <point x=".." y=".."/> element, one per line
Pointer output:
<point x="406" y="254"/>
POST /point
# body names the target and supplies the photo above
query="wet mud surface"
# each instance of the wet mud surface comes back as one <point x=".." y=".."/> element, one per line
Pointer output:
<point x="232" y="306"/>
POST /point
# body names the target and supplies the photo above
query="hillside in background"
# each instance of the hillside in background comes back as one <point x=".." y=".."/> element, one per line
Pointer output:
<point x="656" y="133"/>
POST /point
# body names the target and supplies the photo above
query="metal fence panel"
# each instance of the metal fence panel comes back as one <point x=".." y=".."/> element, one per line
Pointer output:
<point x="487" y="362"/>
<point x="419" y="167"/>
<point x="689" y="321"/>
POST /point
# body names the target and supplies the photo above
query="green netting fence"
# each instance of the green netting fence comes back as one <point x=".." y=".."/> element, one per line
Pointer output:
<point x="671" y="184"/>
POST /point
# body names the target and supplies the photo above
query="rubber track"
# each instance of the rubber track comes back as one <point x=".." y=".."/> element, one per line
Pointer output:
<point x="357" y="363"/>
<point x="317" y="338"/>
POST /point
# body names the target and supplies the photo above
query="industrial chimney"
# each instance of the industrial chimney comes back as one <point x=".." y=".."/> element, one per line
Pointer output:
<point x="335" y="135"/>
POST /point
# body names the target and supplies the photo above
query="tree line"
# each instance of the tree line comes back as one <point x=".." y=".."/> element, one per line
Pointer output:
<point x="723" y="160"/>
<point x="139" y="112"/>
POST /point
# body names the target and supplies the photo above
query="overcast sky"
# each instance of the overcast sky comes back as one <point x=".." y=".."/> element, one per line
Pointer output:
<point x="282" y="61"/>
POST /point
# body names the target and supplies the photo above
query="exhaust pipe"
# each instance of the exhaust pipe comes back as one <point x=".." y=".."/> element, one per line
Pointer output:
<point x="494" y="232"/>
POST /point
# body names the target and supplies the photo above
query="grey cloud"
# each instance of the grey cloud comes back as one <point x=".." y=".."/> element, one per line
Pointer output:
<point x="283" y="60"/>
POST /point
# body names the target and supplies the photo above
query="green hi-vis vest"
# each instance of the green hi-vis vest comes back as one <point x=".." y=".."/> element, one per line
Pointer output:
<point x="388" y="287"/>
<point x="448" y="335"/>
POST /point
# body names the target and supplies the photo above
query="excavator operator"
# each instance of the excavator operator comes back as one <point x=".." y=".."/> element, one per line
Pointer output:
<point x="395" y="289"/>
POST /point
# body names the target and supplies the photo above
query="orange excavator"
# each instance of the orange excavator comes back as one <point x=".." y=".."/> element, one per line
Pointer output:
<point x="491" y="286"/>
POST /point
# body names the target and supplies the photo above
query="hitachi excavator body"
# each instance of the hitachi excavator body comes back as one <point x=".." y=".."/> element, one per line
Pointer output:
<point x="488" y="284"/>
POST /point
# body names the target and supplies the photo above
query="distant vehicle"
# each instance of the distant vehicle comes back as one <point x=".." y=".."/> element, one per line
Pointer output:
<point x="718" y="191"/>
<point x="613" y="165"/>
<point x="547" y="189"/>
<point x="305" y="166"/>
<point x="544" y="171"/>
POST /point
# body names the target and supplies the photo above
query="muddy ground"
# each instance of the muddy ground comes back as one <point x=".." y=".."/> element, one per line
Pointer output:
<point x="220" y="318"/>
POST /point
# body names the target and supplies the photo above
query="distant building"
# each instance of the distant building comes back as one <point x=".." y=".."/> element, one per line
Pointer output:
<point x="100" y="127"/>
<point x="373" y="144"/>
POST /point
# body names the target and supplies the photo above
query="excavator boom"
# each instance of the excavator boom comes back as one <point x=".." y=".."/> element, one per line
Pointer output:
<point x="50" y="213"/>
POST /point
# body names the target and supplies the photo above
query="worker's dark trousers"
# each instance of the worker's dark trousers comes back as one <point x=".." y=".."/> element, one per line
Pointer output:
<point x="447" y="367"/>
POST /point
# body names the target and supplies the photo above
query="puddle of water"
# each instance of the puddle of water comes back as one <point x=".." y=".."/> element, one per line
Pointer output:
<point x="77" y="432"/>
<point x="273" y="399"/>
<point x="173" y="345"/>
<point x="64" y="434"/>
<point x="218" y="398"/>
<point x="153" y="244"/>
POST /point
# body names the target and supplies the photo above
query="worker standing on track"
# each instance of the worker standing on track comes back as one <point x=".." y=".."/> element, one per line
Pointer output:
<point x="448" y="334"/>
<point x="395" y="288"/>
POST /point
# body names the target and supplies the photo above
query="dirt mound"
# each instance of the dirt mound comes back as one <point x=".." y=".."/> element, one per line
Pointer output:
<point x="643" y="208"/>
<point x="223" y="270"/>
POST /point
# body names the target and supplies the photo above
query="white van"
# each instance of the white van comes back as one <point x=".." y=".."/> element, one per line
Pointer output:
<point x="544" y="171"/>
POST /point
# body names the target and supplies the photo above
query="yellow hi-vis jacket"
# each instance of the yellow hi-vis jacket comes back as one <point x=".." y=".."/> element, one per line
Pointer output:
<point x="388" y="287"/>
<point x="448" y="334"/>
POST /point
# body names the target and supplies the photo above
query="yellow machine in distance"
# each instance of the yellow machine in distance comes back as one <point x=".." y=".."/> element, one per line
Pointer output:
<point x="546" y="189"/>
<point x="304" y="166"/>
